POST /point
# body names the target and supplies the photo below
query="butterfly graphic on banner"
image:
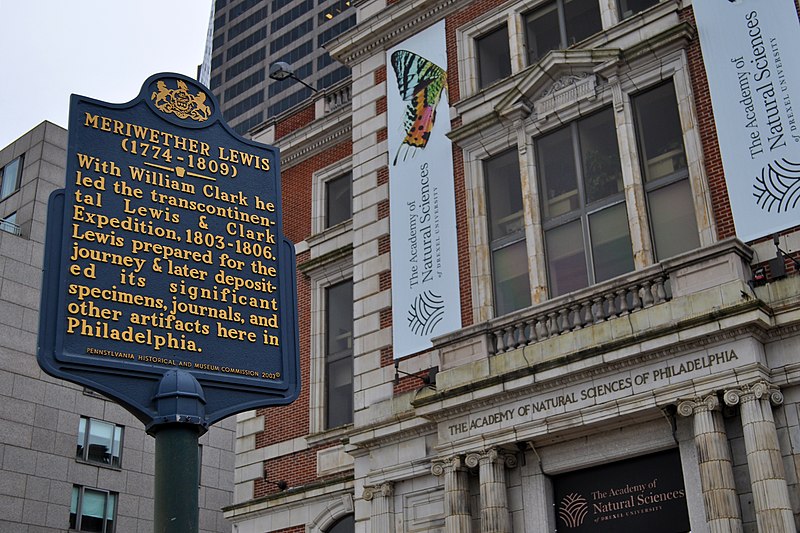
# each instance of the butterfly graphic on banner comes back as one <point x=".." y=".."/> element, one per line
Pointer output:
<point x="420" y="83"/>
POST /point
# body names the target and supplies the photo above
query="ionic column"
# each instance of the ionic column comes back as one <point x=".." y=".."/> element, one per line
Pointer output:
<point x="494" y="500"/>
<point x="457" y="518"/>
<point x="716" y="466"/>
<point x="381" y="519"/>
<point x="767" y="475"/>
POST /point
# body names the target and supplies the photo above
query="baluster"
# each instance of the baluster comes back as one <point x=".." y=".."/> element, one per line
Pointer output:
<point x="577" y="320"/>
<point x="528" y="334"/>
<point x="647" y="294"/>
<point x="509" y="337"/>
<point x="563" y="319"/>
<point x="541" y="328"/>
<point x="587" y="313"/>
<point x="597" y="310"/>
<point x="636" y="302"/>
<point x="519" y="334"/>
<point x="552" y="324"/>
<point x="499" y="345"/>
<point x="622" y="296"/>
<point x="611" y="309"/>
<point x="660" y="293"/>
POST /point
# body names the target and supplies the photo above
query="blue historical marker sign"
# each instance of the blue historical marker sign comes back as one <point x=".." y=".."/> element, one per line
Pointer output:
<point x="165" y="256"/>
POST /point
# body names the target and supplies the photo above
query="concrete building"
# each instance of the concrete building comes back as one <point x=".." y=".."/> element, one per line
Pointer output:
<point x="70" y="459"/>
<point x="622" y="359"/>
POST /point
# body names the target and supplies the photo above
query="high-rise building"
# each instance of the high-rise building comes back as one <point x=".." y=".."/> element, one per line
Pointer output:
<point x="251" y="35"/>
<point x="524" y="303"/>
<point x="70" y="459"/>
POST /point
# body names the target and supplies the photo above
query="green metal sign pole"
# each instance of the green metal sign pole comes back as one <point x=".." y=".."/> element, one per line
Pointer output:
<point x="177" y="474"/>
<point x="180" y="404"/>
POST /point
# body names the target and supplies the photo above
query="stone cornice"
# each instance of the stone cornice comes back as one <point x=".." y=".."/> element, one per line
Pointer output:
<point x="390" y="26"/>
<point x="298" y="150"/>
<point x="400" y="427"/>
<point x="294" y="497"/>
<point x="602" y="368"/>
<point x="530" y="84"/>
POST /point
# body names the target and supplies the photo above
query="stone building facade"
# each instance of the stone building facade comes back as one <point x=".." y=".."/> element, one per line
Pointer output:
<point x="621" y="355"/>
<point x="70" y="459"/>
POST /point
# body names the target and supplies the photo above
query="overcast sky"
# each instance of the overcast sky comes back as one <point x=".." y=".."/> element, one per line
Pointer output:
<point x="103" y="49"/>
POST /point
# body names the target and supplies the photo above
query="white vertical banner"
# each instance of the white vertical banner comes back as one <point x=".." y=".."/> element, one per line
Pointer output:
<point x="751" y="51"/>
<point x="425" y="289"/>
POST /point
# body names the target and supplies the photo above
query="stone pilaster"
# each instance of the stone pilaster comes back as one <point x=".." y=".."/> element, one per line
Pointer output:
<point x="764" y="461"/>
<point x="716" y="466"/>
<point x="381" y="514"/>
<point x="494" y="500"/>
<point x="457" y="518"/>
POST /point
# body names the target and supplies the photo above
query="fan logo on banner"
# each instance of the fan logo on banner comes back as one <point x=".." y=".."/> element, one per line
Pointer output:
<point x="573" y="510"/>
<point x="778" y="186"/>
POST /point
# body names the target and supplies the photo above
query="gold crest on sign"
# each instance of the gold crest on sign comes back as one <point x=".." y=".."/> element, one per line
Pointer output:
<point x="181" y="102"/>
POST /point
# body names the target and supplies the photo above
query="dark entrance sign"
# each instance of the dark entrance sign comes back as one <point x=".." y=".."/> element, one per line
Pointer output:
<point x="642" y="494"/>
<point x="167" y="277"/>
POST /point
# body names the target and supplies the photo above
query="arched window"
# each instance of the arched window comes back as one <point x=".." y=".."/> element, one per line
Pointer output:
<point x="346" y="524"/>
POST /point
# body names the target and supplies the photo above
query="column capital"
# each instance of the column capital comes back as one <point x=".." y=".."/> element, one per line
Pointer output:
<point x="701" y="403"/>
<point x="440" y="466"/>
<point x="371" y="491"/>
<point x="753" y="391"/>
<point x="491" y="455"/>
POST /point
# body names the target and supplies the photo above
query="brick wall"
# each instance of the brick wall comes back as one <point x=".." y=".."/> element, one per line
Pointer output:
<point x="295" y="121"/>
<point x="723" y="216"/>
<point x="297" y="184"/>
<point x="297" y="469"/>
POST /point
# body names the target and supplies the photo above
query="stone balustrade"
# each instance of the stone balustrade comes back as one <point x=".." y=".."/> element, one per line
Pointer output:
<point x="689" y="276"/>
<point x="568" y="314"/>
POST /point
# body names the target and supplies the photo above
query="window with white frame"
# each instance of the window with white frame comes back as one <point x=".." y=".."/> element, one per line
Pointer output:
<point x="579" y="203"/>
<point x="92" y="509"/>
<point x="332" y="196"/>
<point x="339" y="354"/>
<point x="673" y="226"/>
<point x="559" y="24"/>
<point x="338" y="199"/>
<point x="331" y="370"/>
<point x="511" y="286"/>
<point x="99" y="442"/>
<point x="628" y="8"/>
<point x="494" y="56"/>
<point x="10" y="177"/>
<point x="583" y="207"/>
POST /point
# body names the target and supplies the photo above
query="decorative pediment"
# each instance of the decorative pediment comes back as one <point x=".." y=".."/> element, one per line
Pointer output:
<point x="561" y="79"/>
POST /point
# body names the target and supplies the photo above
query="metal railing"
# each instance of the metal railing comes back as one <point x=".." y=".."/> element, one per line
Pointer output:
<point x="10" y="227"/>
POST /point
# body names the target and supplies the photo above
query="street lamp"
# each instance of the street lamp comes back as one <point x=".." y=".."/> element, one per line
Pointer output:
<point x="281" y="70"/>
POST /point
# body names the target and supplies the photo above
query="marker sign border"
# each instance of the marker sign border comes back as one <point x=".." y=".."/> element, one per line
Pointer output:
<point x="133" y="384"/>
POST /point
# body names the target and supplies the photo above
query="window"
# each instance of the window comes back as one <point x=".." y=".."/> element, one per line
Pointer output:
<point x="99" y="442"/>
<point x="338" y="199"/>
<point x="343" y="525"/>
<point x="507" y="233"/>
<point x="9" y="224"/>
<point x="673" y="225"/>
<point x="92" y="509"/>
<point x="9" y="177"/>
<point x="333" y="10"/>
<point x="583" y="208"/>
<point x="339" y="354"/>
<point x="560" y="24"/>
<point x="628" y="8"/>
<point x="494" y="56"/>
